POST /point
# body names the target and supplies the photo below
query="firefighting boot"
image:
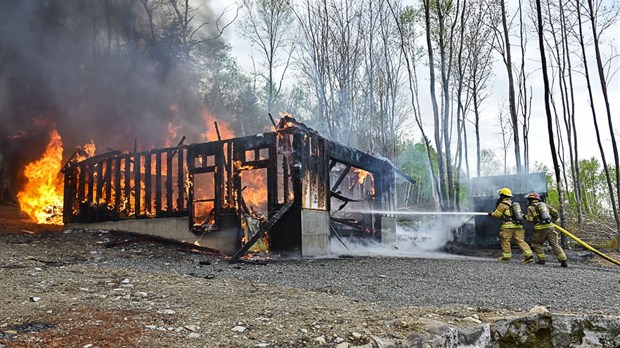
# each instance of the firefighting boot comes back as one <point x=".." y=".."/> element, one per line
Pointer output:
<point x="504" y="258"/>
<point x="528" y="259"/>
<point x="563" y="263"/>
<point x="540" y="262"/>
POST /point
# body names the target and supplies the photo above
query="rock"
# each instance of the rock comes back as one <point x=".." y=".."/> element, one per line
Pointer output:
<point x="238" y="328"/>
<point x="304" y="330"/>
<point x="125" y="281"/>
<point x="192" y="327"/>
<point x="539" y="310"/>
<point x="151" y="327"/>
<point x="339" y="340"/>
<point x="367" y="345"/>
<point x="381" y="342"/>
<point x="356" y="335"/>
<point x="558" y="330"/>
<point x="439" y="334"/>
<point x="142" y="294"/>
<point x="87" y="346"/>
<point x="342" y="345"/>
<point x="473" y="320"/>
<point x="35" y="299"/>
<point x="261" y="345"/>
<point x="193" y="335"/>
<point x="320" y="340"/>
<point x="166" y="311"/>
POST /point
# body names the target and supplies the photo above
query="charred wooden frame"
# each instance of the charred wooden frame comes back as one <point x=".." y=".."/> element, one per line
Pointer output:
<point x="303" y="170"/>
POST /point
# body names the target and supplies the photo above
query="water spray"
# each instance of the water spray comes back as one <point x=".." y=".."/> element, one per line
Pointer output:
<point x="401" y="212"/>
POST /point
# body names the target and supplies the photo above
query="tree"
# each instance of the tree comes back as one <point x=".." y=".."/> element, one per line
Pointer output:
<point x="406" y="24"/>
<point x="480" y="64"/>
<point x="584" y="58"/>
<point x="547" y="87"/>
<point x="598" y="23"/>
<point x="505" y="127"/>
<point x="503" y="46"/>
<point x="267" y="26"/>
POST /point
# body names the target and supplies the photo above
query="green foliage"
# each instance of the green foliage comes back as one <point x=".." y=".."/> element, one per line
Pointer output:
<point x="413" y="160"/>
<point x="595" y="199"/>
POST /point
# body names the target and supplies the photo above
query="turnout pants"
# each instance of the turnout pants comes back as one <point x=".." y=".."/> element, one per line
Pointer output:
<point x="551" y="236"/>
<point x="506" y="235"/>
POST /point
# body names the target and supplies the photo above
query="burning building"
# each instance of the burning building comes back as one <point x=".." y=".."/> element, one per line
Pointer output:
<point x="285" y="191"/>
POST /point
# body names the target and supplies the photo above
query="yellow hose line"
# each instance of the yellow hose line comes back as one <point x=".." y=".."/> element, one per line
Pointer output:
<point x="583" y="244"/>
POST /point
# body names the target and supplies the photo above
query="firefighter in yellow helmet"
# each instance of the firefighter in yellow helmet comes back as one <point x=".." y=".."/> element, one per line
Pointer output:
<point x="512" y="226"/>
<point x="542" y="216"/>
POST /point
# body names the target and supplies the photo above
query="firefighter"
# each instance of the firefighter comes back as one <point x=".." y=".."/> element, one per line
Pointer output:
<point x="512" y="226"/>
<point x="542" y="216"/>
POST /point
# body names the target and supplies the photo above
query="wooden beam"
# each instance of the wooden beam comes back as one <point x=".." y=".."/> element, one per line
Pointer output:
<point x="265" y="227"/>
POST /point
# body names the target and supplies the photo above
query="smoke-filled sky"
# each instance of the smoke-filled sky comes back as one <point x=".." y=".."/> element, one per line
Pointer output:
<point x="92" y="71"/>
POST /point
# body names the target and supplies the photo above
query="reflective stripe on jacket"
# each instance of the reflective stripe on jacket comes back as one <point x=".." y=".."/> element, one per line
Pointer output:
<point x="532" y="215"/>
<point x="504" y="213"/>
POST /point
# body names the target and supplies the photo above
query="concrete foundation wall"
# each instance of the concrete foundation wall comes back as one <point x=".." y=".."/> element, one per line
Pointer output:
<point x="388" y="230"/>
<point x="314" y="232"/>
<point x="174" y="228"/>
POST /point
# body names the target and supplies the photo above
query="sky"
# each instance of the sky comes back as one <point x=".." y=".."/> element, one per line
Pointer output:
<point x="498" y="101"/>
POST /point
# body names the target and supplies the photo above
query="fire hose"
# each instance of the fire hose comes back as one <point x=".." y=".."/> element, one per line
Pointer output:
<point x="585" y="245"/>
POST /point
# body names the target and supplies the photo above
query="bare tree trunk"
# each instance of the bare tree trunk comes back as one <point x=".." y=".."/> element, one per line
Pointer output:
<point x="431" y="68"/>
<point x="603" y="82"/>
<point x="511" y="89"/>
<point x="596" y="128"/>
<point x="413" y="88"/>
<point x="477" y="129"/>
<point x="523" y="96"/>
<point x="570" y="119"/>
<point x="543" y="59"/>
<point x="445" y="67"/>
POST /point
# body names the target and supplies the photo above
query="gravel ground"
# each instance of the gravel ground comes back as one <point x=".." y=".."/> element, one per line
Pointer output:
<point x="67" y="289"/>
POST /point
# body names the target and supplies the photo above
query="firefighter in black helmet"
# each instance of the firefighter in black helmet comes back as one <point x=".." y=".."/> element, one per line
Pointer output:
<point x="512" y="226"/>
<point x="542" y="216"/>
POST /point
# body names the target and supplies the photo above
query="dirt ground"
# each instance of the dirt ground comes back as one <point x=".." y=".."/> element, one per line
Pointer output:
<point x="103" y="289"/>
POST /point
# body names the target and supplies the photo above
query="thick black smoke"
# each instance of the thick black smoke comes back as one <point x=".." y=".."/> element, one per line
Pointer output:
<point x="108" y="71"/>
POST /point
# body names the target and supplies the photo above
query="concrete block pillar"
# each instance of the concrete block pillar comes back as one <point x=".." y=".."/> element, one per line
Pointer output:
<point x="388" y="230"/>
<point x="314" y="232"/>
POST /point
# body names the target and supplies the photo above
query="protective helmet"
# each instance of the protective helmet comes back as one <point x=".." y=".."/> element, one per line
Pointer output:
<point x="533" y="195"/>
<point x="505" y="192"/>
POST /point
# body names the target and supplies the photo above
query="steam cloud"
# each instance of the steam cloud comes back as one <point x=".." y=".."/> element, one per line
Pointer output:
<point x="423" y="239"/>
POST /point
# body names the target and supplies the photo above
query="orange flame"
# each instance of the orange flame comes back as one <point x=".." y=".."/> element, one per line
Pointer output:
<point x="361" y="175"/>
<point x="86" y="151"/>
<point x="42" y="198"/>
<point x="255" y="193"/>
<point x="211" y="134"/>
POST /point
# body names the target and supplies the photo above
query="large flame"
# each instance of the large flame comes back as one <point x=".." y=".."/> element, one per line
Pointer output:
<point x="42" y="197"/>
<point x="211" y="134"/>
